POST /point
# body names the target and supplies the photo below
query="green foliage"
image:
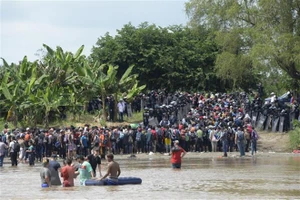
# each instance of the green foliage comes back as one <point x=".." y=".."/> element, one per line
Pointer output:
<point x="173" y="58"/>
<point x="36" y="92"/>
<point x="258" y="39"/>
<point x="136" y="118"/>
<point x="295" y="135"/>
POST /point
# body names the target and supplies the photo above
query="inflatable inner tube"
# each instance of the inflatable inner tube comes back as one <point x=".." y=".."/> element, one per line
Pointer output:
<point x="121" y="181"/>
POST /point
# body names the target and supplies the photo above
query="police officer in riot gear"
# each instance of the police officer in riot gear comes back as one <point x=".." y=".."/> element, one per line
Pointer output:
<point x="146" y="116"/>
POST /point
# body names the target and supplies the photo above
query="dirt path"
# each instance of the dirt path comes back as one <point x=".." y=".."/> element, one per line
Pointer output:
<point x="273" y="142"/>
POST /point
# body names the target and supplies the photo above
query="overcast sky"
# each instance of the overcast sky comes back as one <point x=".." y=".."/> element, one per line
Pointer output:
<point x="26" y="25"/>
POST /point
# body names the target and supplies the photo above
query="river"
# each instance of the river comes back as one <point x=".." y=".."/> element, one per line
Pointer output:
<point x="266" y="177"/>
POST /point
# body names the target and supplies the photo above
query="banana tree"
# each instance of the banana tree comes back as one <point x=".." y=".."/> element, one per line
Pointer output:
<point x="134" y="91"/>
<point x="12" y="98"/>
<point x="62" y="69"/>
<point x="50" y="100"/>
<point x="128" y="83"/>
<point x="60" y="65"/>
<point x="30" y="104"/>
<point x="12" y="87"/>
<point x="98" y="79"/>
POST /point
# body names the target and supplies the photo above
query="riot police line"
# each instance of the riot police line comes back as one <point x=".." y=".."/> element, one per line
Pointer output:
<point x="276" y="116"/>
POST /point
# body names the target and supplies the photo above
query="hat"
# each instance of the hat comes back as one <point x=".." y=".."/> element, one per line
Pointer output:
<point x="176" y="141"/>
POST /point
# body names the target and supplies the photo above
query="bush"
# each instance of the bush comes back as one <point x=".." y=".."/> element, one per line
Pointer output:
<point x="295" y="135"/>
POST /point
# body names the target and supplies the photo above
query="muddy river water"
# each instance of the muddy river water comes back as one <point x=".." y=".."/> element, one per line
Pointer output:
<point x="270" y="177"/>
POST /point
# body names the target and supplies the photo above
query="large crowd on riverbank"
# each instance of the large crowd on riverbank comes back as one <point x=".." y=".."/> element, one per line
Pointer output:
<point x="211" y="123"/>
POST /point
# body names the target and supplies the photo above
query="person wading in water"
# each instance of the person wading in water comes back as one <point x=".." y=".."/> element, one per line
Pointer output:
<point x="177" y="154"/>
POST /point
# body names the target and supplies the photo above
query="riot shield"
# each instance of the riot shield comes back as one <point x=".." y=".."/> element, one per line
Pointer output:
<point x="275" y="124"/>
<point x="281" y="124"/>
<point x="268" y="124"/>
<point x="185" y="110"/>
<point x="153" y="121"/>
<point x="261" y="122"/>
<point x="254" y="119"/>
<point x="142" y="104"/>
<point x="179" y="114"/>
<point x="129" y="110"/>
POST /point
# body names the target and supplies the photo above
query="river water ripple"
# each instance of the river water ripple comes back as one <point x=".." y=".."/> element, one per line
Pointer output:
<point x="200" y="178"/>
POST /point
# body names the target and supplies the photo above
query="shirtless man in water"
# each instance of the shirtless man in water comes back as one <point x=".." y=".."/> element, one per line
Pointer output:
<point x="113" y="171"/>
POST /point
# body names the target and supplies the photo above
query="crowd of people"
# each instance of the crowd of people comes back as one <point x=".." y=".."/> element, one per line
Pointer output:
<point x="199" y="122"/>
<point x="172" y="125"/>
<point x="52" y="174"/>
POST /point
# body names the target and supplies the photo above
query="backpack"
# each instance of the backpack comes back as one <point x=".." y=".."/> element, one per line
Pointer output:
<point x="205" y="135"/>
<point x="168" y="133"/>
<point x="112" y="136"/>
<point x="17" y="147"/>
<point x="105" y="139"/>
<point x="254" y="135"/>
<point x="240" y="136"/>
<point x="159" y="135"/>
<point x="175" y="135"/>
<point x="40" y="141"/>
<point x="97" y="139"/>
<point x="57" y="144"/>
<point x="138" y="136"/>
<point x="130" y="139"/>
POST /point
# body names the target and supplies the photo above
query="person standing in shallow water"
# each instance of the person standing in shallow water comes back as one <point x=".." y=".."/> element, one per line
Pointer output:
<point x="95" y="161"/>
<point x="45" y="174"/>
<point x="54" y="168"/>
<point x="3" y="148"/>
<point x="177" y="154"/>
<point x="239" y="140"/>
<point x="85" y="170"/>
<point x="68" y="173"/>
<point x="13" y="153"/>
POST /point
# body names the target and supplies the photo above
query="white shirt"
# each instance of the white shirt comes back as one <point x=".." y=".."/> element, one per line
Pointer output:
<point x="273" y="98"/>
<point x="11" y="146"/>
<point x="121" y="106"/>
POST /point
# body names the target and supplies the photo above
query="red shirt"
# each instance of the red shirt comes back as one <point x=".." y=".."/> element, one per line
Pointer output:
<point x="27" y="137"/>
<point x="176" y="155"/>
<point x="153" y="134"/>
<point x="67" y="173"/>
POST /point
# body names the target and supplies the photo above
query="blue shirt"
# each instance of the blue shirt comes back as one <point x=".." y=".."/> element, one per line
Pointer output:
<point x="84" y="141"/>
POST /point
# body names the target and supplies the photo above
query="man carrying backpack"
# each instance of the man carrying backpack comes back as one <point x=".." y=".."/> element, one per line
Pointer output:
<point x="239" y="140"/>
<point x="14" y="148"/>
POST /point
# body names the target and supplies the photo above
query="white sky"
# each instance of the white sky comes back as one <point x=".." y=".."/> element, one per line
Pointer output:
<point x="26" y="25"/>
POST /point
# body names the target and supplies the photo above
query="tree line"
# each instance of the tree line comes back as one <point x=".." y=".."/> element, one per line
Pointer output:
<point x="226" y="46"/>
<point x="36" y="92"/>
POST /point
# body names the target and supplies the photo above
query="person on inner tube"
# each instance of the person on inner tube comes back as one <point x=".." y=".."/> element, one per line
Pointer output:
<point x="113" y="171"/>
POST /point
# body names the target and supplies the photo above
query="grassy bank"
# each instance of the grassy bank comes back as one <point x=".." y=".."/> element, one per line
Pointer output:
<point x="295" y="136"/>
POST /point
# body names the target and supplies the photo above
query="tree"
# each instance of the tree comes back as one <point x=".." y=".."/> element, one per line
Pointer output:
<point x="173" y="58"/>
<point x="16" y="86"/>
<point x="255" y="37"/>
